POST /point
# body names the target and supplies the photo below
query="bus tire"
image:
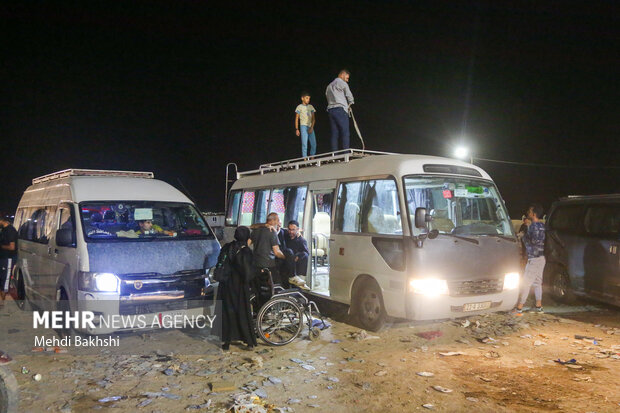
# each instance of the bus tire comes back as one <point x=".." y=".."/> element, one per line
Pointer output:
<point x="368" y="308"/>
<point x="9" y="391"/>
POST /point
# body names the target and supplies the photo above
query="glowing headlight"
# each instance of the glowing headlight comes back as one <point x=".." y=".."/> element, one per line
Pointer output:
<point x="511" y="281"/>
<point x="98" y="281"/>
<point x="429" y="286"/>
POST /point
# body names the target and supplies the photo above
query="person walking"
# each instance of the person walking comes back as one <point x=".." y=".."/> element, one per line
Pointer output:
<point x="534" y="240"/>
<point x="8" y="254"/>
<point x="237" y="321"/>
<point x="305" y="119"/>
<point x="339" y="99"/>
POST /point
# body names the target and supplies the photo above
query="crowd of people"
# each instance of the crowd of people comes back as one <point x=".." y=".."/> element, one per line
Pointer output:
<point x="278" y="256"/>
<point x="339" y="101"/>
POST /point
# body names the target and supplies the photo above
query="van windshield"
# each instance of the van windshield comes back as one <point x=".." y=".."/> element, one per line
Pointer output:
<point x="459" y="206"/>
<point x="141" y="220"/>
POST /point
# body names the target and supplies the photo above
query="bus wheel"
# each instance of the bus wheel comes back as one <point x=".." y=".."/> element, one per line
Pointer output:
<point x="560" y="287"/>
<point x="9" y="391"/>
<point x="368" y="305"/>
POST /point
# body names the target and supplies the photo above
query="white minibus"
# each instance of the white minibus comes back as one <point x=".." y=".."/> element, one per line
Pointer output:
<point x="406" y="236"/>
<point x="115" y="241"/>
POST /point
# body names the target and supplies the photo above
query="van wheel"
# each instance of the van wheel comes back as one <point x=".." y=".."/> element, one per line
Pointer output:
<point x="560" y="287"/>
<point x="63" y="305"/>
<point x="9" y="391"/>
<point x="368" y="305"/>
<point x="20" y="288"/>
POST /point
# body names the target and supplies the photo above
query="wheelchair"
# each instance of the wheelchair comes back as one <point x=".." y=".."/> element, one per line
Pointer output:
<point x="281" y="319"/>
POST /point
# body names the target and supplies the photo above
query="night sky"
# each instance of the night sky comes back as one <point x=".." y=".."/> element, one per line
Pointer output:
<point x="182" y="88"/>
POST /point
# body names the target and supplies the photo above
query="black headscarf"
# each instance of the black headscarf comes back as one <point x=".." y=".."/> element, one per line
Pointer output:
<point x="242" y="234"/>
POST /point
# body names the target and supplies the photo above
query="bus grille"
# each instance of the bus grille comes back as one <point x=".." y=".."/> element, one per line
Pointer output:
<point x="477" y="287"/>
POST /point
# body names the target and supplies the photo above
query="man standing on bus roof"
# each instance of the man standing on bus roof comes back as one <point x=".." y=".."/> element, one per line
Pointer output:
<point x="339" y="99"/>
<point x="534" y="240"/>
<point x="8" y="254"/>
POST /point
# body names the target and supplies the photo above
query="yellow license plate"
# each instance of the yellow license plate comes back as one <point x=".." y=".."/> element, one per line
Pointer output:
<point x="477" y="306"/>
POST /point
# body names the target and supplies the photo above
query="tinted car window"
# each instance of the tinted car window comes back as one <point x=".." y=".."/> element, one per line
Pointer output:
<point x="567" y="218"/>
<point x="603" y="220"/>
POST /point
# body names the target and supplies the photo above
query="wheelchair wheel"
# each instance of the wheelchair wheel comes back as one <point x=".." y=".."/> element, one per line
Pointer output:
<point x="314" y="334"/>
<point x="279" y="321"/>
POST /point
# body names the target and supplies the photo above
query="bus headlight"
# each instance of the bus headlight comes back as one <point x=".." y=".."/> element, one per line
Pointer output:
<point x="511" y="281"/>
<point x="98" y="281"/>
<point x="429" y="286"/>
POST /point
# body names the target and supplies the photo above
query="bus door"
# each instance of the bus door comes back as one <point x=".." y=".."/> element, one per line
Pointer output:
<point x="320" y="229"/>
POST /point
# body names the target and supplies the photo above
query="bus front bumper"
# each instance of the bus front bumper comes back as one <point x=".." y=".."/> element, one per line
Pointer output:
<point x="425" y="307"/>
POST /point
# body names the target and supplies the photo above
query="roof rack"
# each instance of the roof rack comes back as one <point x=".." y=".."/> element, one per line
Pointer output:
<point x="344" y="155"/>
<point x="598" y="196"/>
<point x="90" y="172"/>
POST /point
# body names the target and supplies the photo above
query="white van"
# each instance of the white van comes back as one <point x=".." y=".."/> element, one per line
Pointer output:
<point x="88" y="236"/>
<point x="408" y="236"/>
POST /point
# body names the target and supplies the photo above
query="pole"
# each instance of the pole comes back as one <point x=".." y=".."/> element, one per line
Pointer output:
<point x="357" y="129"/>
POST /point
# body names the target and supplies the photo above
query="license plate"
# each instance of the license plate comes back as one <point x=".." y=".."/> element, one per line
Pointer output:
<point x="477" y="306"/>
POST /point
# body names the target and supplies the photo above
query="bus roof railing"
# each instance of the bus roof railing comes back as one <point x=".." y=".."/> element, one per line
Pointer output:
<point x="344" y="155"/>
<point x="90" y="172"/>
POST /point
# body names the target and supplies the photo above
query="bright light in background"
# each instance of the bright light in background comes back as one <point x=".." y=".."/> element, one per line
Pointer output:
<point x="461" y="152"/>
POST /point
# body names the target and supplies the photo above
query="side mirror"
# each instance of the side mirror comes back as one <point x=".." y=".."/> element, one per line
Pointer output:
<point x="65" y="237"/>
<point x="421" y="218"/>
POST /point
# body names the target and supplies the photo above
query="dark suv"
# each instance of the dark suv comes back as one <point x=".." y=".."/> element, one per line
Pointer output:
<point x="582" y="248"/>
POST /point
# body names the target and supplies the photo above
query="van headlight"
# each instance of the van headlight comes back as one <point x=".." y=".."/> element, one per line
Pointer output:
<point x="511" y="281"/>
<point x="429" y="286"/>
<point x="98" y="281"/>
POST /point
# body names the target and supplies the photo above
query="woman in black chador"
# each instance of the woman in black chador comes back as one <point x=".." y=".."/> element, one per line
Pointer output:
<point x="237" y="321"/>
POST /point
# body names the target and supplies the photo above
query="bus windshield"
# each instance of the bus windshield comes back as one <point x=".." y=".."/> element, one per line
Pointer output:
<point x="141" y="220"/>
<point x="459" y="206"/>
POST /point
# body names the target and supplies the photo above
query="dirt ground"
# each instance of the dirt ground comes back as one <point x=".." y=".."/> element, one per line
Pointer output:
<point x="505" y="364"/>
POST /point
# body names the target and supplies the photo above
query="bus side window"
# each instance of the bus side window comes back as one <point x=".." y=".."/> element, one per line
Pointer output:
<point x="261" y="206"/>
<point x="247" y="208"/>
<point x="348" y="207"/>
<point x="232" y="214"/>
<point x="380" y="208"/>
<point x="293" y="201"/>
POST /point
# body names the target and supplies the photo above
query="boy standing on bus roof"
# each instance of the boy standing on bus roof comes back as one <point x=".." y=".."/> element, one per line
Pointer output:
<point x="534" y="240"/>
<point x="304" y="124"/>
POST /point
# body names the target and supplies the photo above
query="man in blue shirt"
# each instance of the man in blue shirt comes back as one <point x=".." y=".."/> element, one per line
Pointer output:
<point x="339" y="99"/>
<point x="534" y="240"/>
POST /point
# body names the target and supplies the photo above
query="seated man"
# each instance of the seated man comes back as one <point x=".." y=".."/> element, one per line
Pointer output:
<point x="292" y="257"/>
<point x="297" y="247"/>
<point x="266" y="248"/>
<point x="148" y="228"/>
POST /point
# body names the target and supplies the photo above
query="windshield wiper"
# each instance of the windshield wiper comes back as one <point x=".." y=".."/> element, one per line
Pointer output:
<point x="502" y="236"/>
<point x="472" y="240"/>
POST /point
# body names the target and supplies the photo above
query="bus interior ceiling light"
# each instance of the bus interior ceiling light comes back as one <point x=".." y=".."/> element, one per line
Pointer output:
<point x="511" y="281"/>
<point x="429" y="286"/>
